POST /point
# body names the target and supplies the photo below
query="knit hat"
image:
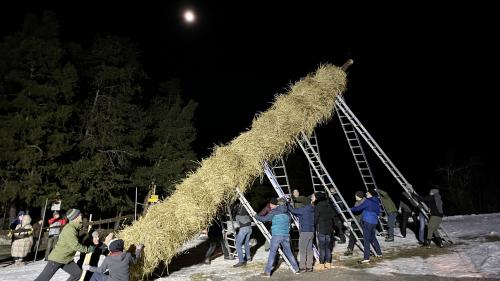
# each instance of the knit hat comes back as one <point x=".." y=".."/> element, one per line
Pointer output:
<point x="72" y="214"/>
<point x="274" y="201"/>
<point x="360" y="194"/>
<point x="21" y="213"/>
<point x="116" y="245"/>
<point x="433" y="191"/>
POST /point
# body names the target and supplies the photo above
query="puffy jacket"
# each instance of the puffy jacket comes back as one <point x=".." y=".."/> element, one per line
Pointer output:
<point x="323" y="217"/>
<point x="67" y="245"/>
<point x="306" y="217"/>
<point x="280" y="221"/>
<point x="370" y="208"/>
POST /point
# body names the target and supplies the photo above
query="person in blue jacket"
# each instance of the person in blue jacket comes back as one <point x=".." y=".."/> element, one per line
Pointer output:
<point x="280" y="231"/>
<point x="305" y="215"/>
<point x="370" y="209"/>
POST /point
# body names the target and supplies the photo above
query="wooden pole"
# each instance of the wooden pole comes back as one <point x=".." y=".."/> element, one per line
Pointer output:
<point x="41" y="229"/>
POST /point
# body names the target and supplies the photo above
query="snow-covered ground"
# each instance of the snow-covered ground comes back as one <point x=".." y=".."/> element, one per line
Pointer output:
<point x="475" y="254"/>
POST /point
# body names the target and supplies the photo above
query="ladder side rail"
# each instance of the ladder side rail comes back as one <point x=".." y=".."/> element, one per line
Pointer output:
<point x="316" y="183"/>
<point x="260" y="225"/>
<point x="303" y="142"/>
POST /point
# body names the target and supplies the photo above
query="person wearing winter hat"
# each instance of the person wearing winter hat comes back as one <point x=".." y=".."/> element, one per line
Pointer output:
<point x="117" y="263"/>
<point x="436" y="209"/>
<point x="17" y="221"/>
<point x="65" y="249"/>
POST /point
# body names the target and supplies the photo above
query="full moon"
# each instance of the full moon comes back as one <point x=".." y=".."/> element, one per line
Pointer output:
<point x="189" y="16"/>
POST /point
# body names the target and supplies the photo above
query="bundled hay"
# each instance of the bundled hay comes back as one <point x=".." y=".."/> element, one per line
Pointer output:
<point x="197" y="198"/>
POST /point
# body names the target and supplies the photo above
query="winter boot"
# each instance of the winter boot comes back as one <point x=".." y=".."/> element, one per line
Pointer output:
<point x="319" y="267"/>
<point x="439" y="242"/>
<point x="207" y="261"/>
<point x="348" y="252"/>
<point x="427" y="243"/>
<point x="328" y="265"/>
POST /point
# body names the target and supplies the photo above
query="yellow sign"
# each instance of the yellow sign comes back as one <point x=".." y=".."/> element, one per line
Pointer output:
<point x="153" y="199"/>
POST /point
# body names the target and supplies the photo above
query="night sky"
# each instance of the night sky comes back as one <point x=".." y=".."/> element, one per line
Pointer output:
<point x="424" y="79"/>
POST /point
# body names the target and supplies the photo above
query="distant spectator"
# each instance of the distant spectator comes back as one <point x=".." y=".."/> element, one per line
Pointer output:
<point x="55" y="225"/>
<point x="37" y="231"/>
<point x="23" y="240"/>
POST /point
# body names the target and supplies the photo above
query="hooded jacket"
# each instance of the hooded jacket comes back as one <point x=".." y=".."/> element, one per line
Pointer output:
<point x="434" y="201"/>
<point x="117" y="264"/>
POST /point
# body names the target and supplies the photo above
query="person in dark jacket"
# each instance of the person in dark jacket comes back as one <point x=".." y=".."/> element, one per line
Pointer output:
<point x="100" y="249"/>
<point x="305" y="215"/>
<point x="298" y="200"/>
<point x="435" y="205"/>
<point x="215" y="237"/>
<point x="370" y="211"/>
<point x="117" y="263"/>
<point x="323" y="219"/>
<point x="338" y="227"/>
<point x="280" y="231"/>
<point x="243" y="237"/>
<point x="360" y="198"/>
<point x="392" y="213"/>
<point x="407" y="209"/>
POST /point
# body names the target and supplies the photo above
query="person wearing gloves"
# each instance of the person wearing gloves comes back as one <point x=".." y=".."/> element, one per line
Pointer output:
<point x="64" y="251"/>
<point x="116" y="264"/>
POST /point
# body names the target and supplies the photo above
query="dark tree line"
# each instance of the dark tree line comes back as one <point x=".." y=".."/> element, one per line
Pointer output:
<point x="86" y="121"/>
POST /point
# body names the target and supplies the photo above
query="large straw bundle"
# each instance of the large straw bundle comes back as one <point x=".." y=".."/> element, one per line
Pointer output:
<point x="191" y="207"/>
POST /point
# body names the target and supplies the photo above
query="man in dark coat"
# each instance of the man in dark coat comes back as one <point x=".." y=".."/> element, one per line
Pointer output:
<point x="435" y="205"/>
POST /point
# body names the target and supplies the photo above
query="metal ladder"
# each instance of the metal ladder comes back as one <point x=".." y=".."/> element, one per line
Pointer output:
<point x="229" y="232"/>
<point x="316" y="182"/>
<point x="327" y="183"/>
<point x="273" y="178"/>
<point x="361" y="162"/>
<point x="260" y="225"/>
<point x="342" y="106"/>
<point x="280" y="175"/>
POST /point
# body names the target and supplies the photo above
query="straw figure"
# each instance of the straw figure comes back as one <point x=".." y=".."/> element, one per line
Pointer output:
<point x="170" y="223"/>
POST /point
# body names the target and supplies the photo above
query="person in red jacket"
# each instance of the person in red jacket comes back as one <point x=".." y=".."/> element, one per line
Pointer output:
<point x="55" y="225"/>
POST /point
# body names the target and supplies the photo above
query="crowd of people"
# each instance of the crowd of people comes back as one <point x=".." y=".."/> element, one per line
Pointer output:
<point x="64" y="241"/>
<point x="321" y="226"/>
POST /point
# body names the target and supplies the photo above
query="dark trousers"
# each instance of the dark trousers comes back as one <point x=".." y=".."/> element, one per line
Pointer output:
<point x="369" y="238"/>
<point x="97" y="276"/>
<point x="337" y="226"/>
<point x="213" y="246"/>
<point x="352" y="239"/>
<point x="50" y="269"/>
<point x="51" y="243"/>
<point x="325" y="252"/>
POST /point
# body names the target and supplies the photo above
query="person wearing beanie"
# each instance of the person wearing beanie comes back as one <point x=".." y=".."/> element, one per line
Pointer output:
<point x="435" y="205"/>
<point x="360" y="198"/>
<point x="64" y="251"/>
<point x="370" y="209"/>
<point x="17" y="221"/>
<point x="117" y="263"/>
<point x="305" y="214"/>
